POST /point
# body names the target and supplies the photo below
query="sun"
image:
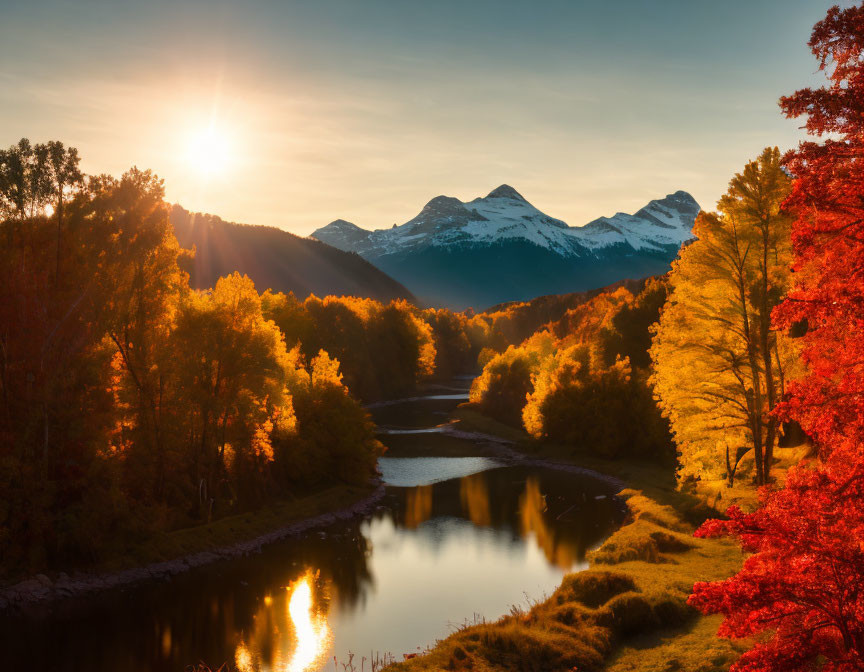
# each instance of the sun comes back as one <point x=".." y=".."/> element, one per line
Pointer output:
<point x="209" y="150"/>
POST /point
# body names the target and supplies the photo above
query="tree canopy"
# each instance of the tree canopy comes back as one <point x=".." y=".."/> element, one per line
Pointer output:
<point x="719" y="365"/>
<point x="130" y="403"/>
<point x="800" y="595"/>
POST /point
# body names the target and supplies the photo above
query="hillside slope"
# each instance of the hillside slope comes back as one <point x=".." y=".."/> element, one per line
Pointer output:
<point x="518" y="320"/>
<point x="277" y="260"/>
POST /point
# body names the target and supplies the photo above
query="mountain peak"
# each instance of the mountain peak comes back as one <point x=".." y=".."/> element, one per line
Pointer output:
<point x="443" y="203"/>
<point x="500" y="247"/>
<point x="506" y="191"/>
<point x="341" y="224"/>
<point x="341" y="234"/>
<point x="682" y="199"/>
<point x="680" y="202"/>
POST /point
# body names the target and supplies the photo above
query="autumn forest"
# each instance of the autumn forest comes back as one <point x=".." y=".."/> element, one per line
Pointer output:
<point x="683" y="453"/>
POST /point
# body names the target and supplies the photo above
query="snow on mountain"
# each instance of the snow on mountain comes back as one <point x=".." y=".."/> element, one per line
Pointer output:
<point x="501" y="248"/>
<point x="504" y="215"/>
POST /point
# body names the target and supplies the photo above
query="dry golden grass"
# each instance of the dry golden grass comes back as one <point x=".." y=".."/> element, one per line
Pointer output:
<point x="628" y="612"/>
<point x="719" y="495"/>
<point x="631" y="600"/>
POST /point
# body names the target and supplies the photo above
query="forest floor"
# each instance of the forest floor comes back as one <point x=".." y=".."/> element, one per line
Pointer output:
<point x="628" y="612"/>
<point x="169" y="553"/>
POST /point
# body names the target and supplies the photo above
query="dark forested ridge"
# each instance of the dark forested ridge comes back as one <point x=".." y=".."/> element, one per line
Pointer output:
<point x="478" y="276"/>
<point x="275" y="259"/>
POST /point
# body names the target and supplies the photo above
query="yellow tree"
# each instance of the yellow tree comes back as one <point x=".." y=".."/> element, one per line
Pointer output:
<point x="502" y="389"/>
<point x="333" y="437"/>
<point x="564" y="367"/>
<point x="232" y="373"/>
<point x="383" y="350"/>
<point x="719" y="368"/>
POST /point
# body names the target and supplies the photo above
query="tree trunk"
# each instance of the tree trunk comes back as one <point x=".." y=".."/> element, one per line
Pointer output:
<point x="767" y="363"/>
<point x="730" y="470"/>
<point x="59" y="233"/>
<point x="754" y="402"/>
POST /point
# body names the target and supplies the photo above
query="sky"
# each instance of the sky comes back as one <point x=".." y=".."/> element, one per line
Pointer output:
<point x="294" y="113"/>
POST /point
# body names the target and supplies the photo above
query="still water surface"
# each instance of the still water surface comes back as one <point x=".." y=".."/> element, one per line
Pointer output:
<point x="455" y="539"/>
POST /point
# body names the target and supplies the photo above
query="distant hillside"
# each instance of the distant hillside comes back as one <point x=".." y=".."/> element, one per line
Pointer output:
<point x="517" y="320"/>
<point x="277" y="260"/>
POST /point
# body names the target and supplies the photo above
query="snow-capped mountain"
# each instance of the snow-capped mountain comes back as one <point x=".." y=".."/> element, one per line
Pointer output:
<point x="500" y="247"/>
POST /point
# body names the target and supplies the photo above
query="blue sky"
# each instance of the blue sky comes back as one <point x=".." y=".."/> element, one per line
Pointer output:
<point x="364" y="110"/>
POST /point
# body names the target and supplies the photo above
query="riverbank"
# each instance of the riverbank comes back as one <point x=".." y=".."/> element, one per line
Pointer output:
<point x="628" y="612"/>
<point x="168" y="554"/>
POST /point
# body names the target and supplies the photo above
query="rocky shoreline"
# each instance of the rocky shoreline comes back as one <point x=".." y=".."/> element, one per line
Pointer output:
<point x="40" y="589"/>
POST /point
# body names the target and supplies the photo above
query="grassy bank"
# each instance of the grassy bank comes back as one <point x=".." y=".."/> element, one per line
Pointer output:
<point x="628" y="611"/>
<point x="221" y="533"/>
<point x="237" y="528"/>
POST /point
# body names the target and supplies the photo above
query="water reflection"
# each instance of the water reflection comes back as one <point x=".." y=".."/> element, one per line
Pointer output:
<point x="433" y="555"/>
<point x="418" y="506"/>
<point x="532" y="507"/>
<point x="310" y="630"/>
<point x="290" y="635"/>
<point x="474" y="494"/>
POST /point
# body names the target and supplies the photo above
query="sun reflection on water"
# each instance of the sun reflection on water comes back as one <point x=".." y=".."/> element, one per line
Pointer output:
<point x="243" y="658"/>
<point x="310" y="629"/>
<point x="301" y="629"/>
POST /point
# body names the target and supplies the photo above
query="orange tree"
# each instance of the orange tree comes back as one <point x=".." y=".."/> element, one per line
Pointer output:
<point x="801" y="592"/>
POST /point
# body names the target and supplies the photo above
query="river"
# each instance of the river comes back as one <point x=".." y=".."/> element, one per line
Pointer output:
<point x="461" y="535"/>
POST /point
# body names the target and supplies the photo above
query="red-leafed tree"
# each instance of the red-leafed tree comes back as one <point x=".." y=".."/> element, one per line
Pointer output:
<point x="801" y="593"/>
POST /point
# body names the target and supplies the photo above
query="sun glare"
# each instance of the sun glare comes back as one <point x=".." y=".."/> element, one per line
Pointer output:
<point x="290" y="632"/>
<point x="208" y="150"/>
<point x="310" y="629"/>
